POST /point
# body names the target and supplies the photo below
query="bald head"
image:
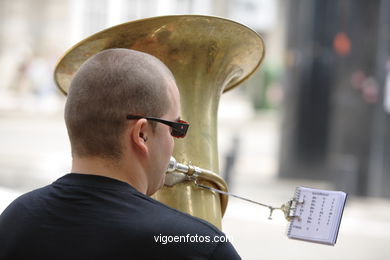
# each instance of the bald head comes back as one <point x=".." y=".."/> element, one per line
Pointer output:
<point x="106" y="88"/>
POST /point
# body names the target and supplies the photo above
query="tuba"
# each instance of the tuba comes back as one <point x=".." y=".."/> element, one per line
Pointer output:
<point x="207" y="56"/>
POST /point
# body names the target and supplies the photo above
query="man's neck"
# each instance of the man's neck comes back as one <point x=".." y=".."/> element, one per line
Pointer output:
<point x="113" y="169"/>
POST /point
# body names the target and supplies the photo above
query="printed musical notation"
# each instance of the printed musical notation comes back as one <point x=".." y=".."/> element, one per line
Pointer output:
<point x="317" y="215"/>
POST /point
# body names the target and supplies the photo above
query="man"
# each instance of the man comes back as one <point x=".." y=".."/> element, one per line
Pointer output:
<point x="122" y="113"/>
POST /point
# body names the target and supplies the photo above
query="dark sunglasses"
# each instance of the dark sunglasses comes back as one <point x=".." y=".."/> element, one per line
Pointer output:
<point x="179" y="129"/>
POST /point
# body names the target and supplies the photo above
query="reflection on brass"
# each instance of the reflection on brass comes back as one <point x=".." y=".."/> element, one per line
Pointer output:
<point x="208" y="56"/>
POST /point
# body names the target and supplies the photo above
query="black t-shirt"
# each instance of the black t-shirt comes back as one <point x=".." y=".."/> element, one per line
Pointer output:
<point x="94" y="217"/>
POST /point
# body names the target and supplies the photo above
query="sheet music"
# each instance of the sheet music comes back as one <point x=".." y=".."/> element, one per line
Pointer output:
<point x="318" y="215"/>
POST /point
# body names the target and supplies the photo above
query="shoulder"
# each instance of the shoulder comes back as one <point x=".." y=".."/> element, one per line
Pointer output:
<point x="177" y="219"/>
<point x="183" y="233"/>
<point x="24" y="202"/>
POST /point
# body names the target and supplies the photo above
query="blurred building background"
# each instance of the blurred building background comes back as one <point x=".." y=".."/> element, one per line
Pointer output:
<point x="336" y="124"/>
<point x="316" y="114"/>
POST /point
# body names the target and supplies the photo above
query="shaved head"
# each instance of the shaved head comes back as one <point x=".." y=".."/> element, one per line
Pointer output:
<point x="106" y="88"/>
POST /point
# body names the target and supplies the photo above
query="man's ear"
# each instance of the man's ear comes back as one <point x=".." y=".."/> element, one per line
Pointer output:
<point x="139" y="135"/>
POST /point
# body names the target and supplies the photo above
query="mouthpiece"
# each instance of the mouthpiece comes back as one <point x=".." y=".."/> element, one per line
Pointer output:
<point x="179" y="167"/>
<point x="172" y="164"/>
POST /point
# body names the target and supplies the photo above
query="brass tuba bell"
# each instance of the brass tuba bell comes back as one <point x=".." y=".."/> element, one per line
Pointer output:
<point x="208" y="56"/>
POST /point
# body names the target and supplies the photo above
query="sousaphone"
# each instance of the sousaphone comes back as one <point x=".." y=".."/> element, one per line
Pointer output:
<point x="207" y="56"/>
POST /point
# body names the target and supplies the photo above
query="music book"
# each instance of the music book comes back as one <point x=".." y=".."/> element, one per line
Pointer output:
<point x="317" y="215"/>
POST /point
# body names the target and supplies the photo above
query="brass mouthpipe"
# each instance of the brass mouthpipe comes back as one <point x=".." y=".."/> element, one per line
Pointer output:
<point x="198" y="174"/>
